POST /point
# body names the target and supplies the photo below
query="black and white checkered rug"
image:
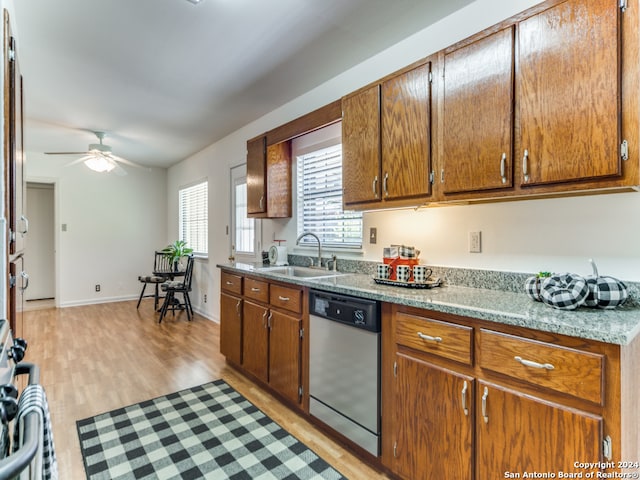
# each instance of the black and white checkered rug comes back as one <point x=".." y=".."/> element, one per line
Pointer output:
<point x="205" y="432"/>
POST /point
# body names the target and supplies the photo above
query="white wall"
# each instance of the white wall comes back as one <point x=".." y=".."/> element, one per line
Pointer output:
<point x="114" y="224"/>
<point x="549" y="234"/>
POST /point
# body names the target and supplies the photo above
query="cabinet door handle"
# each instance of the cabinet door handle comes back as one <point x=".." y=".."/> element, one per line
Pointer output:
<point x="25" y="280"/>
<point x="465" y="388"/>
<point x="255" y="289"/>
<point x="374" y="186"/>
<point x="269" y="319"/>
<point x="503" y="167"/>
<point x="429" y="337"/>
<point x="529" y="363"/>
<point x="238" y="306"/>
<point x="283" y="299"/>
<point x="264" y="319"/>
<point x="484" y="405"/>
<point x="385" y="180"/>
<point x="25" y="220"/>
<point x="442" y="175"/>
<point x="525" y="165"/>
<point x="261" y="202"/>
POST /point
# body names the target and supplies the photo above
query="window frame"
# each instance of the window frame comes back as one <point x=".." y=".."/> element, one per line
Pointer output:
<point x="181" y="223"/>
<point x="238" y="175"/>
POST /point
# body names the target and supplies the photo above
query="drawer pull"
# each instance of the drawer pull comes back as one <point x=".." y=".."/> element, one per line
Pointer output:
<point x="255" y="289"/>
<point x="529" y="363"/>
<point x="283" y="299"/>
<point x="464" y="398"/>
<point x="229" y="283"/>
<point x="429" y="337"/>
<point x="484" y="405"/>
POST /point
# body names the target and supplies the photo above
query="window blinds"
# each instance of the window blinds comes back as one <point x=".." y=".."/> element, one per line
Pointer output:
<point x="194" y="217"/>
<point x="320" y="201"/>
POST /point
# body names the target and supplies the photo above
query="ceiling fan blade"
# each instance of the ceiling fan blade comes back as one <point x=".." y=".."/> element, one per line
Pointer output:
<point x="123" y="160"/>
<point x="65" y="153"/>
<point x="118" y="170"/>
<point x="77" y="161"/>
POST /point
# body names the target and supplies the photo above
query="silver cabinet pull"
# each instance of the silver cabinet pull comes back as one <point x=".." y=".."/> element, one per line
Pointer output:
<point x="25" y="220"/>
<point x="529" y="363"/>
<point x="269" y="319"/>
<point x="255" y="289"/>
<point x="264" y="319"/>
<point x="25" y="280"/>
<point x="384" y="184"/>
<point x="525" y="165"/>
<point x="229" y="283"/>
<point x="238" y="306"/>
<point x="503" y="167"/>
<point x="429" y="337"/>
<point x="442" y="175"/>
<point x="465" y="388"/>
<point x="261" y="202"/>
<point x="283" y="299"/>
<point x="484" y="405"/>
<point x="374" y="186"/>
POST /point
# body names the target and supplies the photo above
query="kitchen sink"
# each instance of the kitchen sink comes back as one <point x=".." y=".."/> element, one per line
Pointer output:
<point x="301" y="272"/>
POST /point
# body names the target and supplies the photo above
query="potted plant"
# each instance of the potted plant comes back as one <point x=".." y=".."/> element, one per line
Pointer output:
<point x="176" y="251"/>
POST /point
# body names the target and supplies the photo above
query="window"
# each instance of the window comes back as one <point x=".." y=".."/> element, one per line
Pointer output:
<point x="194" y="217"/>
<point x="320" y="200"/>
<point x="245" y="232"/>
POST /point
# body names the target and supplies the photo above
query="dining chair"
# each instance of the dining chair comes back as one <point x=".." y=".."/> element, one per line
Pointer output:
<point x="182" y="286"/>
<point x="162" y="270"/>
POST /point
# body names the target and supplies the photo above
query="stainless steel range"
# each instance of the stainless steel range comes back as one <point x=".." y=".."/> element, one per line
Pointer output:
<point x="344" y="366"/>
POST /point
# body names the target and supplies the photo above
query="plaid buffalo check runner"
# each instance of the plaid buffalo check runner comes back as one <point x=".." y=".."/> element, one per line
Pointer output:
<point x="205" y="432"/>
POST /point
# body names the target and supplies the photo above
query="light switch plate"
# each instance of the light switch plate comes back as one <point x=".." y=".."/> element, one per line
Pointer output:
<point x="475" y="239"/>
<point x="373" y="235"/>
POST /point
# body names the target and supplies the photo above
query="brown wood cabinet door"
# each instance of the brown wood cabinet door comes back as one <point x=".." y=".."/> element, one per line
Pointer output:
<point x="279" y="180"/>
<point x="255" y="340"/>
<point x="568" y="85"/>
<point x="231" y="327"/>
<point x="405" y="134"/>
<point x="433" y="432"/>
<point x="361" y="147"/>
<point x="285" y="355"/>
<point x="256" y="176"/>
<point x="518" y="433"/>
<point x="478" y="115"/>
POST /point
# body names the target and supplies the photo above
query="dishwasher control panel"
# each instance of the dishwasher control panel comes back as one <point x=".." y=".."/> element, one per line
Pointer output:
<point x="353" y="311"/>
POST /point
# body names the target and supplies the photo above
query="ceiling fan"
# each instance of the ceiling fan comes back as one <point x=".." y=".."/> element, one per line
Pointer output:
<point x="99" y="158"/>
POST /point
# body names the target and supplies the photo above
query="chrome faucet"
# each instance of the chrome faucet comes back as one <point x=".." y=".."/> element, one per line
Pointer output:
<point x="304" y="234"/>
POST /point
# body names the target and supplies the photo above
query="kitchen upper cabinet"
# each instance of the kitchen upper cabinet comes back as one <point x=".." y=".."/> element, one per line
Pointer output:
<point x="518" y="433"/>
<point x="268" y="179"/>
<point x="478" y="115"/>
<point x="405" y="118"/>
<point x="568" y="84"/>
<point x="14" y="145"/>
<point x="386" y="141"/>
<point x="361" y="147"/>
<point x="433" y="420"/>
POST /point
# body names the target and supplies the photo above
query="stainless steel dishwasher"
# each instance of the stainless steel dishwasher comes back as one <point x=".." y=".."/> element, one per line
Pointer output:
<point x="344" y="366"/>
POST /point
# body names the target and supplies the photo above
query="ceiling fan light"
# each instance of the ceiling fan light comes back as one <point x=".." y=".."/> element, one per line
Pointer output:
<point x="100" y="164"/>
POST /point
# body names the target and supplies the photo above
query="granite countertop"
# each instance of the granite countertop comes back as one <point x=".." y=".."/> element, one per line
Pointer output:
<point x="618" y="326"/>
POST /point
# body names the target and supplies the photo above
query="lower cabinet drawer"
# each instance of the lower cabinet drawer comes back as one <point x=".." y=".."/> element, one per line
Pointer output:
<point x="565" y="370"/>
<point x="286" y="298"/>
<point x="446" y="340"/>
<point x="256" y="289"/>
<point x="231" y="283"/>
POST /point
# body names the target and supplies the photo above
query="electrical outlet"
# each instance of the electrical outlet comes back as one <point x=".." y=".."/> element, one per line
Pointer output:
<point x="475" y="245"/>
<point x="97" y="287"/>
<point x="373" y="235"/>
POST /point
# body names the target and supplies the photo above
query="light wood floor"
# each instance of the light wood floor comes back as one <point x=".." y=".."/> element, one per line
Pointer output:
<point x="96" y="358"/>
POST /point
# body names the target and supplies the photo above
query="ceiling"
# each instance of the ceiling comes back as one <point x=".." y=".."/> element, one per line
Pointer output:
<point x="166" y="78"/>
